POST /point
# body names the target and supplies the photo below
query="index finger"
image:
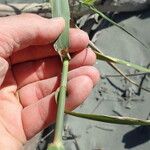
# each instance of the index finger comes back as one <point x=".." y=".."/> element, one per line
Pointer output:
<point x="78" y="41"/>
<point x="18" y="32"/>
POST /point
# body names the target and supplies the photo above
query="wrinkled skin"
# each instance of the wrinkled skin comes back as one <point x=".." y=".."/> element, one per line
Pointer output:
<point x="30" y="74"/>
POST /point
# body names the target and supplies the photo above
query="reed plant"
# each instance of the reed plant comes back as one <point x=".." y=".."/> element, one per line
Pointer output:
<point x="60" y="8"/>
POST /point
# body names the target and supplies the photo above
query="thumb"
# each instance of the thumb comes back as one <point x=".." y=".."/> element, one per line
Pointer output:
<point x="3" y="69"/>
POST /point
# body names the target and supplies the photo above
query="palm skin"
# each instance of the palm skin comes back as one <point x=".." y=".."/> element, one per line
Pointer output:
<point x="30" y="73"/>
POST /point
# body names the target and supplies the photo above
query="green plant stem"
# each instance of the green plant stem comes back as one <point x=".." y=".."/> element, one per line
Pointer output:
<point x="61" y="102"/>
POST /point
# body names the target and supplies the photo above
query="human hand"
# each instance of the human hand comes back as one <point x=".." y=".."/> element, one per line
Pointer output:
<point x="30" y="73"/>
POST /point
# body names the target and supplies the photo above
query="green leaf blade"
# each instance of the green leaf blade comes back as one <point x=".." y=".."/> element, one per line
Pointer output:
<point x="89" y="2"/>
<point x="103" y="57"/>
<point x="90" y="5"/>
<point x="60" y="8"/>
<point x="111" y="119"/>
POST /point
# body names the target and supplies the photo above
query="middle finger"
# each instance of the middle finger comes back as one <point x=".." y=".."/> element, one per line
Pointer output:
<point x="33" y="71"/>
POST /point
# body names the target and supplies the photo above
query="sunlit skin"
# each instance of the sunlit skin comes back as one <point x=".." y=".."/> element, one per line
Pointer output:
<point x="30" y="73"/>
